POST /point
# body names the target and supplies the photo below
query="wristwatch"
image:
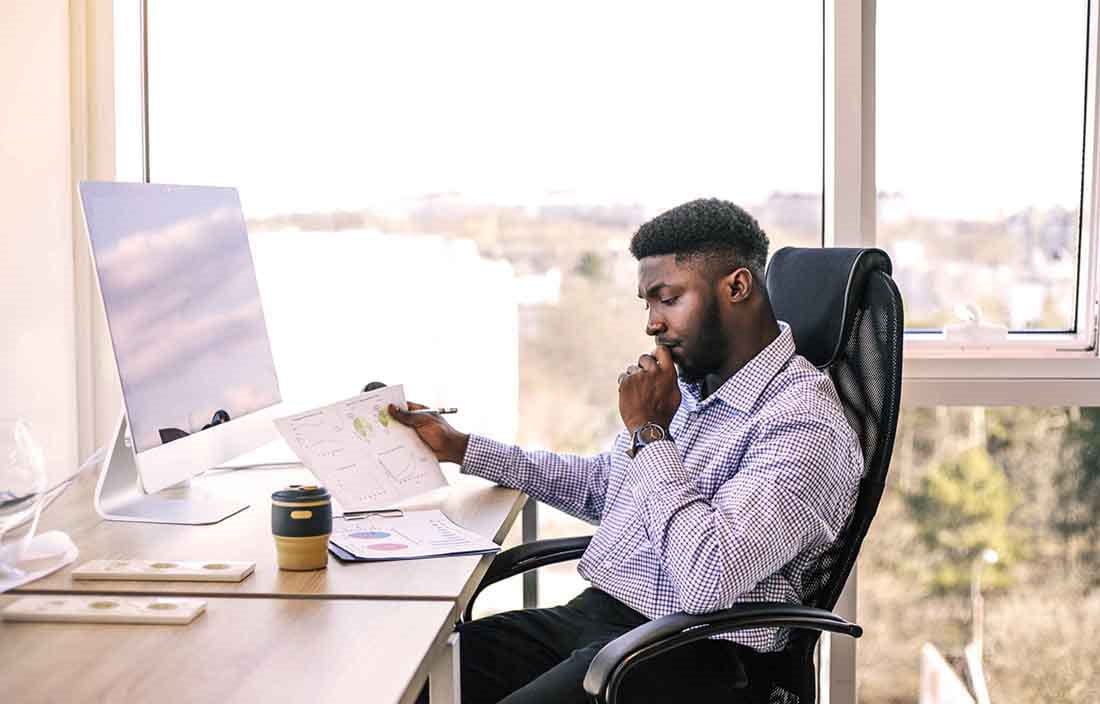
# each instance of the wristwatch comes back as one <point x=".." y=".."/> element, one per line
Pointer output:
<point x="645" y="434"/>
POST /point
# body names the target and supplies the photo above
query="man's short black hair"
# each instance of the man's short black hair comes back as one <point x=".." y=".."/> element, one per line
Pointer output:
<point x="716" y="232"/>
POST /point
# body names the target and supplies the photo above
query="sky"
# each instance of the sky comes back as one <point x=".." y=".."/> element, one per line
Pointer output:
<point x="980" y="104"/>
<point x="343" y="105"/>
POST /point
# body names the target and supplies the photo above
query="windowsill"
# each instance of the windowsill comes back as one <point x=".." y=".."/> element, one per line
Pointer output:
<point x="1018" y="346"/>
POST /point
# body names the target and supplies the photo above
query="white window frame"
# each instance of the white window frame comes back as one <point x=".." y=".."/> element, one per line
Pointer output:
<point x="1032" y="369"/>
<point x="1026" y="369"/>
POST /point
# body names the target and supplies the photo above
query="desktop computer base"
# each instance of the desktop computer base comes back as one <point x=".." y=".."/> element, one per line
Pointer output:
<point x="120" y="497"/>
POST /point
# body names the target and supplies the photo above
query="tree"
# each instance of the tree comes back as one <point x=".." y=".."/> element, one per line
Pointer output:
<point x="1077" y="484"/>
<point x="961" y="508"/>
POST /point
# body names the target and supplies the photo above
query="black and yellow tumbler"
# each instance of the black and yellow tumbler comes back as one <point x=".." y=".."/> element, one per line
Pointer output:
<point x="301" y="521"/>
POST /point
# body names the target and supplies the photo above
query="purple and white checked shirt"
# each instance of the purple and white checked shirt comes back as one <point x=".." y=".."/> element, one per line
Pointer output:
<point x="757" y="481"/>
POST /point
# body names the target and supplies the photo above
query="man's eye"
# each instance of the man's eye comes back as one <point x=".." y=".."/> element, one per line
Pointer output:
<point x="670" y="301"/>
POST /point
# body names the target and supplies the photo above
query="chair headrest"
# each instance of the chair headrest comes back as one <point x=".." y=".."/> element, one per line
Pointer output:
<point x="817" y="292"/>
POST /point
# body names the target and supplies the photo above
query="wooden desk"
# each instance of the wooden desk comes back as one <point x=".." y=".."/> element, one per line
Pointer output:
<point x="470" y="502"/>
<point x="240" y="650"/>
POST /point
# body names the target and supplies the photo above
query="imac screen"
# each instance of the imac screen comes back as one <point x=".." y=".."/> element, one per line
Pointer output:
<point x="182" y="304"/>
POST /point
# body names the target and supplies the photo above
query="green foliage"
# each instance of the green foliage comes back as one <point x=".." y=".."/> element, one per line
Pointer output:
<point x="1077" y="484"/>
<point x="961" y="508"/>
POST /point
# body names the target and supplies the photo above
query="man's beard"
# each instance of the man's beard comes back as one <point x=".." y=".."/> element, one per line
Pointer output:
<point x="710" y="347"/>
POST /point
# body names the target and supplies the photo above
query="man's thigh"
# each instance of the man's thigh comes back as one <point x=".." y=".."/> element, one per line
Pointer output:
<point x="502" y="653"/>
<point x="704" y="671"/>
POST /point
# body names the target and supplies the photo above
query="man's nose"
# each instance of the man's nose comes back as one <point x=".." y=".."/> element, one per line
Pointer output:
<point x="654" y="326"/>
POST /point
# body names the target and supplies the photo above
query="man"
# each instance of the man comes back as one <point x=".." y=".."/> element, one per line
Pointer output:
<point x="725" y="485"/>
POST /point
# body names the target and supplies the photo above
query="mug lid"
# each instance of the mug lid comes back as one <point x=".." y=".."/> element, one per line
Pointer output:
<point x="301" y="492"/>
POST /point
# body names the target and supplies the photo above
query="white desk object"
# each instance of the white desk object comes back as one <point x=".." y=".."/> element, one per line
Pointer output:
<point x="104" y="609"/>
<point x="47" y="553"/>
<point x="164" y="571"/>
<point x="120" y="494"/>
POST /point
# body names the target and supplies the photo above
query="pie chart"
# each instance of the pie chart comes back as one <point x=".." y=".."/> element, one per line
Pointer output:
<point x="387" y="546"/>
<point x="370" y="534"/>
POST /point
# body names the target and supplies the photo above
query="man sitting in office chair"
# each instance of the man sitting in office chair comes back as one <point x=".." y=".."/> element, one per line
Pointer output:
<point x="724" y="486"/>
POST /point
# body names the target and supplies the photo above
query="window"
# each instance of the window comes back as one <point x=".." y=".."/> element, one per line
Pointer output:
<point x="986" y="531"/>
<point x="443" y="195"/>
<point x="980" y="118"/>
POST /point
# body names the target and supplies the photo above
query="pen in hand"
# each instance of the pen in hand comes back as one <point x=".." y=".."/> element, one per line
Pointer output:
<point x="432" y="411"/>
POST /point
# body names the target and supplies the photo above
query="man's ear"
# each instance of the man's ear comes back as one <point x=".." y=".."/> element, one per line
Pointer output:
<point x="737" y="286"/>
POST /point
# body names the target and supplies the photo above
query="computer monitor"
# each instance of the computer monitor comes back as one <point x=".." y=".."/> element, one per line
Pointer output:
<point x="183" y="309"/>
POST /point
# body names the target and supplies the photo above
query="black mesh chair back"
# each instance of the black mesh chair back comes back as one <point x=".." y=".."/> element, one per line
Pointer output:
<point x="846" y="317"/>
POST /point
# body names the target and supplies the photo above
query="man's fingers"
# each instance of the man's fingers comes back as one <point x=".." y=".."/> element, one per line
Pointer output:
<point x="664" y="357"/>
<point x="648" y="362"/>
<point x="416" y="406"/>
<point x="405" y="418"/>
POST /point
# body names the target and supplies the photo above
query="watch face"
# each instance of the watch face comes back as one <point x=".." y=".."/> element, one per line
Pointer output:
<point x="651" y="432"/>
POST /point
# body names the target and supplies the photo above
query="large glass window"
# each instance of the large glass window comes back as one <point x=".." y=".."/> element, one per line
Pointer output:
<point x="984" y="547"/>
<point x="442" y="194"/>
<point x="980" y="111"/>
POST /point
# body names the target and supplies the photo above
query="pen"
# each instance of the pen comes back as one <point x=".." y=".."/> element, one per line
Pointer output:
<point x="385" y="512"/>
<point x="434" y="410"/>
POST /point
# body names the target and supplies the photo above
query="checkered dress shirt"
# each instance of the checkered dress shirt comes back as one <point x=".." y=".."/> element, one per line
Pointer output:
<point x="755" y="484"/>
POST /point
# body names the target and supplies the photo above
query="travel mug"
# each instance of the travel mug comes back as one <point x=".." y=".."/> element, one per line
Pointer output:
<point x="301" y="521"/>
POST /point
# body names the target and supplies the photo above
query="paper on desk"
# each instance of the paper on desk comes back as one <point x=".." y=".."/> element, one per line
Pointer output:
<point x="415" y="534"/>
<point x="365" y="459"/>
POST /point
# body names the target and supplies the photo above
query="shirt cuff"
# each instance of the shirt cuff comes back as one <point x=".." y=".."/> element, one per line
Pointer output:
<point x="655" y="470"/>
<point x="486" y="458"/>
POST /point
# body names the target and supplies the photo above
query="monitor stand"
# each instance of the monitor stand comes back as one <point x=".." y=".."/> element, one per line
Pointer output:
<point x="120" y="497"/>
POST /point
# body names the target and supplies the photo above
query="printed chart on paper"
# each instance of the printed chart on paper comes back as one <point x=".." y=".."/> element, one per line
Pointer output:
<point x="415" y="534"/>
<point x="365" y="459"/>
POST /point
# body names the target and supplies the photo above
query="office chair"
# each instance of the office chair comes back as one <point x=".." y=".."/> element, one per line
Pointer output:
<point x="846" y="316"/>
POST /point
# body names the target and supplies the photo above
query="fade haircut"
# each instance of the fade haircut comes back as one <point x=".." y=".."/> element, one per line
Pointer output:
<point x="713" y="232"/>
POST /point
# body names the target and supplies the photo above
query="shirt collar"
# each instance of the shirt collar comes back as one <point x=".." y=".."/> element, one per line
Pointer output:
<point x="744" y="388"/>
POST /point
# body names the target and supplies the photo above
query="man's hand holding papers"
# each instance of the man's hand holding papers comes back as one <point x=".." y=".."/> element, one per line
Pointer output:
<point x="446" y="443"/>
<point x="357" y="450"/>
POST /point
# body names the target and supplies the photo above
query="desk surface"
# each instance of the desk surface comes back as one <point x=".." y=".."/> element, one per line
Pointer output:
<point x="239" y="650"/>
<point x="470" y="502"/>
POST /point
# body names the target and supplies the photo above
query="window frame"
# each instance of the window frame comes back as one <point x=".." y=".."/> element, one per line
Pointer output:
<point x="1025" y="369"/>
<point x="1011" y="357"/>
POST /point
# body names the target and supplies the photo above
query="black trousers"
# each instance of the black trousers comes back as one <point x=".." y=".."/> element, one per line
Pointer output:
<point x="541" y="655"/>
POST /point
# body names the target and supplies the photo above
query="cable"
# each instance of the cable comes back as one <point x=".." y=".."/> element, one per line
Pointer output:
<point x="54" y="492"/>
<point x="258" y="465"/>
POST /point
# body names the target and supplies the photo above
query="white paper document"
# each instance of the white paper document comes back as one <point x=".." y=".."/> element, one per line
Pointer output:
<point x="365" y="459"/>
<point x="415" y="534"/>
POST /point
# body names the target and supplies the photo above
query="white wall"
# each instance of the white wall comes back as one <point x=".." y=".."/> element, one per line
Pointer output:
<point x="37" y="367"/>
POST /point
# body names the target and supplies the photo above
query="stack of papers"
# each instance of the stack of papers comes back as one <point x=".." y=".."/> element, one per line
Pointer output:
<point x="413" y="535"/>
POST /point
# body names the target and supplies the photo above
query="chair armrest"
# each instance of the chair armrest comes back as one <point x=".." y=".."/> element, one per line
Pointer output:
<point x="526" y="557"/>
<point x="615" y="659"/>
